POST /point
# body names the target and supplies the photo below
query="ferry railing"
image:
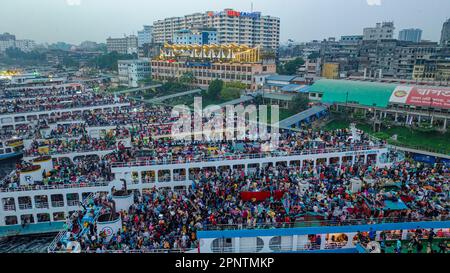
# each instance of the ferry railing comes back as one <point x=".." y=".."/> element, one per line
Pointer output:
<point x="57" y="204"/>
<point x="293" y="224"/>
<point x="131" y="251"/>
<point x="68" y="225"/>
<point x="55" y="187"/>
<point x="62" y="153"/>
<point x="9" y="207"/>
<point x="41" y="205"/>
<point x="140" y="163"/>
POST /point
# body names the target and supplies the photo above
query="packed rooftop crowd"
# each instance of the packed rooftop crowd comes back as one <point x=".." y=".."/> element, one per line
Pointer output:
<point x="166" y="219"/>
<point x="40" y="91"/>
<point x="21" y="105"/>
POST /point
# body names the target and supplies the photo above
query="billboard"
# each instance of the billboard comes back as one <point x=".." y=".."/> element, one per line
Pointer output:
<point x="421" y="96"/>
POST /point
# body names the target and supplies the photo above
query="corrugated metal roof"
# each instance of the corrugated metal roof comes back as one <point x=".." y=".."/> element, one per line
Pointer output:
<point x="295" y="88"/>
<point x="364" y="93"/>
<point x="283" y="78"/>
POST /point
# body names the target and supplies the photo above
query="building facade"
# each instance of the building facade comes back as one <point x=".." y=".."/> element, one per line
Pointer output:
<point x="410" y="35"/>
<point x="125" y="45"/>
<point x="445" y="33"/>
<point x="236" y="27"/>
<point x="145" y="36"/>
<point x="207" y="63"/>
<point x="384" y="30"/>
<point x="196" y="36"/>
<point x="133" y="71"/>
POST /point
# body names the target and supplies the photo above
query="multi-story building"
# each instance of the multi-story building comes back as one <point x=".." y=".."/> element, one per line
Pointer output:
<point x="392" y="58"/>
<point x="330" y="70"/>
<point x="382" y="31"/>
<point x="125" y="45"/>
<point x="196" y="36"/>
<point x="133" y="71"/>
<point x="7" y="36"/>
<point x="351" y="39"/>
<point x="244" y="28"/>
<point x="209" y="62"/>
<point x="410" y="35"/>
<point x="145" y="36"/>
<point x="25" y="45"/>
<point x="445" y="33"/>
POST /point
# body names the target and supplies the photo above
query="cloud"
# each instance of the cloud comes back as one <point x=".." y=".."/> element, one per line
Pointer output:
<point x="73" y="2"/>
<point x="374" y="2"/>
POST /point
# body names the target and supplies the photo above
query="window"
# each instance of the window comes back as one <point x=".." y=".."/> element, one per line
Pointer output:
<point x="11" y="220"/>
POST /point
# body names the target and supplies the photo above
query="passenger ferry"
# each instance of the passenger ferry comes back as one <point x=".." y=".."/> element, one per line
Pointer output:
<point x="11" y="148"/>
<point x="37" y="208"/>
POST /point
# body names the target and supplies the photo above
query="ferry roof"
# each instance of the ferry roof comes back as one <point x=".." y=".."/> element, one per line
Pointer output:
<point x="364" y="93"/>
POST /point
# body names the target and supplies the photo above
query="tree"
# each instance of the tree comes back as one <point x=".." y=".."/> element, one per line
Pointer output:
<point x="214" y="89"/>
<point x="292" y="66"/>
<point x="187" y="78"/>
<point x="230" y="93"/>
<point x="299" y="103"/>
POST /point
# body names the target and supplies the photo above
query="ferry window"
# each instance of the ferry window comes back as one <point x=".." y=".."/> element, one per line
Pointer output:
<point x="2" y="151"/>
<point x="222" y="245"/>
<point x="43" y="217"/>
<point x="8" y="150"/>
<point x="27" y="219"/>
<point x="72" y="199"/>
<point x="275" y="243"/>
<point x="148" y="177"/>
<point x="57" y="200"/>
<point x="8" y="204"/>
<point x="84" y="195"/>
<point x="135" y="177"/>
<point x="41" y="201"/>
<point x="179" y="174"/>
<point x="25" y="202"/>
<point x="11" y="220"/>
<point x="58" y="216"/>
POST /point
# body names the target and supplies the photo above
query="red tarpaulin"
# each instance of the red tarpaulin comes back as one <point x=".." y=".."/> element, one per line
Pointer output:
<point x="261" y="195"/>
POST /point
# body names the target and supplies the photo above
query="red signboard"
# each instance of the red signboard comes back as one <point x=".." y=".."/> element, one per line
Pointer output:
<point x="422" y="96"/>
<point x="429" y="97"/>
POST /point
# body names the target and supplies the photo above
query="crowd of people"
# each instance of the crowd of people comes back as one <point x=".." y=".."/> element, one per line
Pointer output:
<point x="22" y="105"/>
<point x="164" y="220"/>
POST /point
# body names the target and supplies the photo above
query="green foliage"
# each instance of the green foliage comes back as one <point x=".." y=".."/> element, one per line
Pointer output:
<point x="236" y="85"/>
<point x="381" y="135"/>
<point x="109" y="61"/>
<point x="70" y="62"/>
<point x="230" y="93"/>
<point x="290" y="68"/>
<point x="16" y="56"/>
<point x="187" y="78"/>
<point x="313" y="56"/>
<point x="299" y="103"/>
<point x="214" y="89"/>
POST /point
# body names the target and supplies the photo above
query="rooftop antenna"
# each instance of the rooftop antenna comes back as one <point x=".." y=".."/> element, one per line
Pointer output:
<point x="251" y="9"/>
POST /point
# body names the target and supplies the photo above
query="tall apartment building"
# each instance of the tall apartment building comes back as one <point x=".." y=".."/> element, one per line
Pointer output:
<point x="196" y="36"/>
<point x="9" y="41"/>
<point x="381" y="31"/>
<point x="125" y="45"/>
<point x="145" y="36"/>
<point x="445" y="33"/>
<point x="393" y="58"/>
<point x="410" y="35"/>
<point x="247" y="28"/>
<point x="133" y="71"/>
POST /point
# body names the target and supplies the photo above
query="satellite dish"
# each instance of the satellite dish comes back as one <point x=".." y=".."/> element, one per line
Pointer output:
<point x="373" y="247"/>
<point x="73" y="247"/>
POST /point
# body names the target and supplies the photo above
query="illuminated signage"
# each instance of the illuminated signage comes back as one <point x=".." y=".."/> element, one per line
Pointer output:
<point x="233" y="13"/>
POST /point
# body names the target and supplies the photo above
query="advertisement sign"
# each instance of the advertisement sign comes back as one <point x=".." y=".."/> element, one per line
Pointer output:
<point x="422" y="96"/>
<point x="233" y="13"/>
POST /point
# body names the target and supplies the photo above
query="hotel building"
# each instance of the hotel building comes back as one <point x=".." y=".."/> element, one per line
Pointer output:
<point x="233" y="27"/>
